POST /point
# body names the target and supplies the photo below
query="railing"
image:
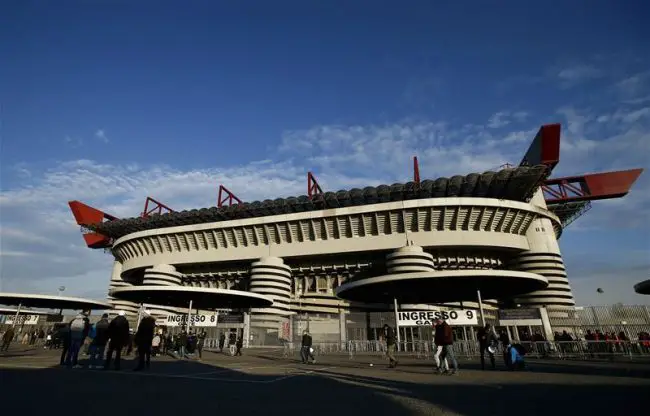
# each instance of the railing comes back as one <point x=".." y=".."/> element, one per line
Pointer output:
<point x="564" y="350"/>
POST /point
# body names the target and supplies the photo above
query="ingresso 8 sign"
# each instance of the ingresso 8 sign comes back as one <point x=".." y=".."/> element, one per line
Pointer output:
<point x="459" y="317"/>
<point x="203" y="320"/>
<point x="22" y="319"/>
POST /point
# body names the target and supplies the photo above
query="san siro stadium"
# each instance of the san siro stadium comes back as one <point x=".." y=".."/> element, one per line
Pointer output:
<point x="342" y="258"/>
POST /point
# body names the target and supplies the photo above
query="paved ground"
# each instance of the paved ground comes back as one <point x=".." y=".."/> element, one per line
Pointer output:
<point x="263" y="382"/>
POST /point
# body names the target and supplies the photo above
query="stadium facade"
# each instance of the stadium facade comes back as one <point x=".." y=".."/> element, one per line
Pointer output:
<point x="299" y="250"/>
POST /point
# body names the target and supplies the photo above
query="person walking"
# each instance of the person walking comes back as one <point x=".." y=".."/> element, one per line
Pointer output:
<point x="240" y="344"/>
<point x="222" y="341"/>
<point x="7" y="337"/>
<point x="232" y="340"/>
<point x="118" y="333"/>
<point x="98" y="344"/>
<point x="441" y="365"/>
<point x="79" y="328"/>
<point x="63" y="336"/>
<point x="305" y="348"/>
<point x="389" y="337"/>
<point x="143" y="339"/>
<point x="445" y="336"/>
<point x="487" y="339"/>
<point x="200" y="342"/>
<point x="182" y="344"/>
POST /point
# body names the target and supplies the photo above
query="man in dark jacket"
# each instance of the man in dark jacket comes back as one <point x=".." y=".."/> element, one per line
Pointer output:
<point x="305" y="348"/>
<point x="118" y="333"/>
<point x="63" y="334"/>
<point x="200" y="341"/>
<point x="444" y="336"/>
<point x="143" y="339"/>
<point x="487" y="338"/>
<point x="389" y="337"/>
<point x="98" y="345"/>
<point x="222" y="341"/>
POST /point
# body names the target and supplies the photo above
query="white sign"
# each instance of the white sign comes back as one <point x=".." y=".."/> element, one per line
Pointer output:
<point x="22" y="319"/>
<point x="458" y="317"/>
<point x="201" y="320"/>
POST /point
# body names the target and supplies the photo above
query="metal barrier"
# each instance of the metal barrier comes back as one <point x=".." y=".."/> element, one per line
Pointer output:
<point x="564" y="350"/>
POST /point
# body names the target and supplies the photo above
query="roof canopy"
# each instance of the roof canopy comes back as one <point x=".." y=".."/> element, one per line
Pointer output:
<point x="202" y="298"/>
<point x="13" y="311"/>
<point x="30" y="300"/>
<point x="441" y="286"/>
<point x="642" y="288"/>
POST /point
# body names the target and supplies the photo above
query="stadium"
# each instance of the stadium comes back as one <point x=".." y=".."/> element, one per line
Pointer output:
<point x="425" y="243"/>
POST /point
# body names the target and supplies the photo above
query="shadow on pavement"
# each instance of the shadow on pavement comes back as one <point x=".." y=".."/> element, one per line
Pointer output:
<point x="259" y="385"/>
<point x="408" y="364"/>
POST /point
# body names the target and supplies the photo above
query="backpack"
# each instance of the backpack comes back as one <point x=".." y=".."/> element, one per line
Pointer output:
<point x="78" y="325"/>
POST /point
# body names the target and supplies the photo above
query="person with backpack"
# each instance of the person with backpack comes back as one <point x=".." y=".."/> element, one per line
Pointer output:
<point x="98" y="344"/>
<point x="79" y="328"/>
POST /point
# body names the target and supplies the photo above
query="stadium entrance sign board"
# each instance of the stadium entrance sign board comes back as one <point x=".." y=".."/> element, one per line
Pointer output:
<point x="201" y="320"/>
<point x="457" y="317"/>
<point x="520" y="317"/>
<point x="22" y="319"/>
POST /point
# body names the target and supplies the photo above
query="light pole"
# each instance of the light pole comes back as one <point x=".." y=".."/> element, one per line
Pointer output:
<point x="61" y="290"/>
<point x="299" y="294"/>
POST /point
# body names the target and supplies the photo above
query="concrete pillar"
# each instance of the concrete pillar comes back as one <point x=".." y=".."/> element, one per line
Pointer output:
<point x="544" y="258"/>
<point x="247" y="329"/>
<point x="271" y="277"/>
<point x="343" y="328"/>
<point x="546" y="324"/>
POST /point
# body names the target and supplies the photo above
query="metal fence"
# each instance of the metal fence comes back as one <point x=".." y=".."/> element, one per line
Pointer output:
<point x="469" y="350"/>
<point x="623" y="322"/>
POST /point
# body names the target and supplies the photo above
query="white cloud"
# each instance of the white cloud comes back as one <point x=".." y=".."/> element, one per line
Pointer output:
<point x="35" y="212"/>
<point x="576" y="74"/>
<point x="504" y="118"/>
<point x="101" y="136"/>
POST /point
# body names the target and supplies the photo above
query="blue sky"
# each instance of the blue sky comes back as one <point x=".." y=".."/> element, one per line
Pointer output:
<point x="110" y="102"/>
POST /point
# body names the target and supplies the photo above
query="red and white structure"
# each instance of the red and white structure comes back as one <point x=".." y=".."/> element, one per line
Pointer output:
<point x="502" y="227"/>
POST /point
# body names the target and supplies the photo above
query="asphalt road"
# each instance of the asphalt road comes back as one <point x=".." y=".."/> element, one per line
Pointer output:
<point x="265" y="383"/>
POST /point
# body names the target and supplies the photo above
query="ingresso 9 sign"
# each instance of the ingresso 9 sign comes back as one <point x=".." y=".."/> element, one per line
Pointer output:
<point x="453" y="317"/>
<point x="203" y="320"/>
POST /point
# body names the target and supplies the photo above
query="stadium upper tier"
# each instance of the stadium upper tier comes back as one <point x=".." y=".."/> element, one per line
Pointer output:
<point x="515" y="184"/>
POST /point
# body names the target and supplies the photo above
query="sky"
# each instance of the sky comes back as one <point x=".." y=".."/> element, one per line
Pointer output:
<point x="108" y="102"/>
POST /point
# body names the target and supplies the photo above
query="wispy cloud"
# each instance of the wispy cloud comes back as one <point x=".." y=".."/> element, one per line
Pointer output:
<point x="101" y="136"/>
<point x="73" y="141"/>
<point x="576" y="74"/>
<point x="504" y="118"/>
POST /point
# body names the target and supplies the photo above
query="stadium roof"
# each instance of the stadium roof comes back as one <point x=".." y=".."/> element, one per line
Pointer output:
<point x="515" y="184"/>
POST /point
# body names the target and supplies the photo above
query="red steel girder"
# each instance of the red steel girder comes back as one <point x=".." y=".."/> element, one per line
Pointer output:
<point x="156" y="207"/>
<point x="590" y="187"/>
<point x="313" y="188"/>
<point x="87" y="216"/>
<point x="226" y="196"/>
<point x="416" y="170"/>
<point x="545" y="148"/>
